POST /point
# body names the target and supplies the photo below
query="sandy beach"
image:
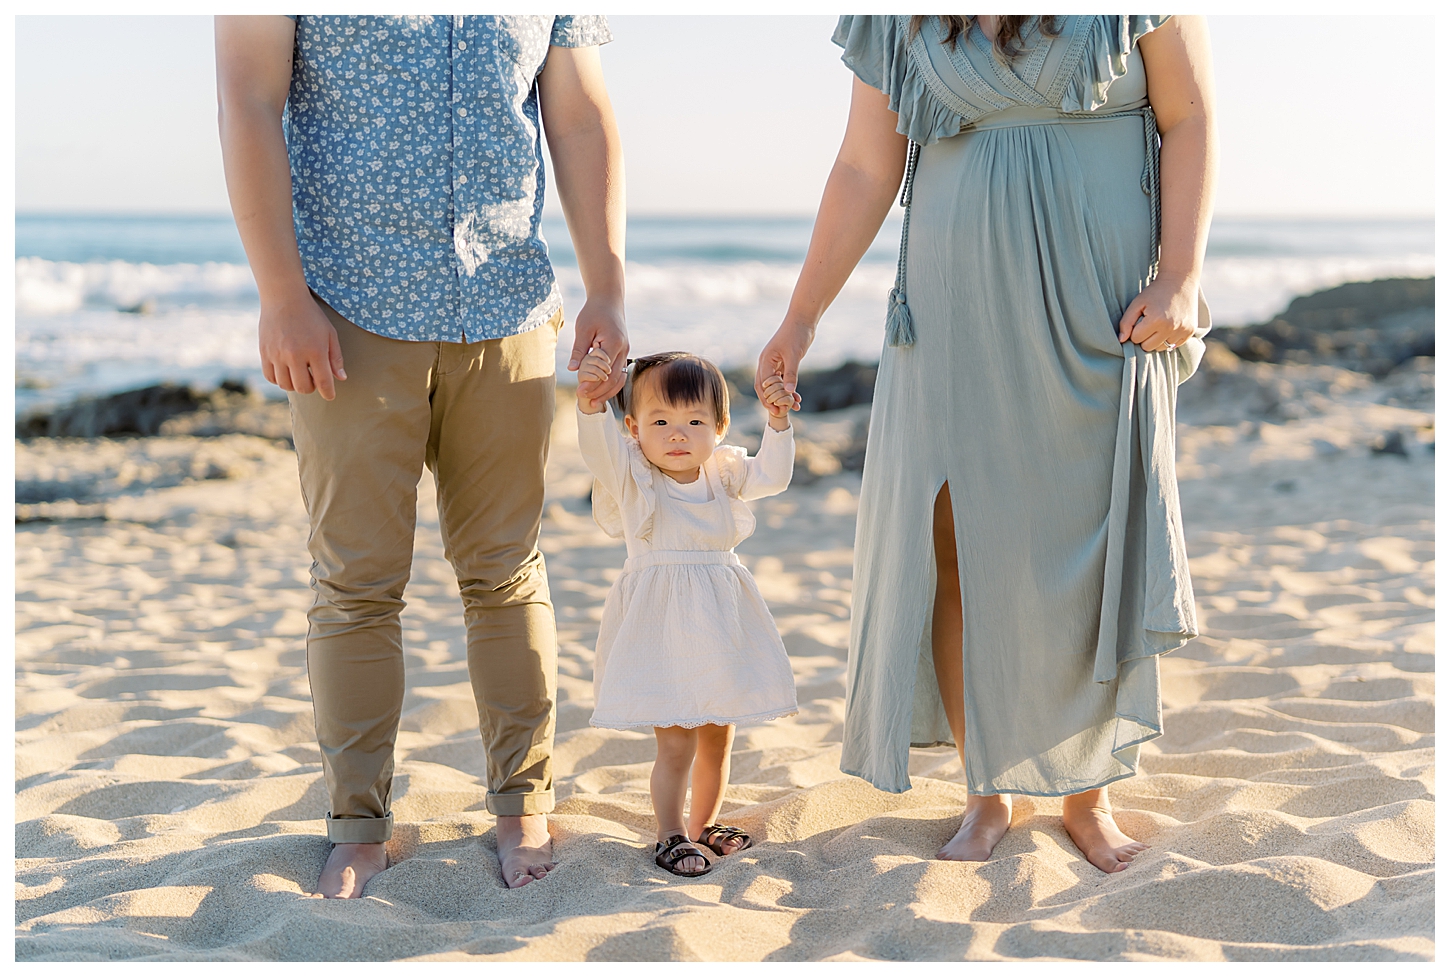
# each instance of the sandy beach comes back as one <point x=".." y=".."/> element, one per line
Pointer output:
<point x="170" y="796"/>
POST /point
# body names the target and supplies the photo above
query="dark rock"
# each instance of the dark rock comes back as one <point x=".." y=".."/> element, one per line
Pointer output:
<point x="1390" y="443"/>
<point x="1411" y="384"/>
<point x="35" y="492"/>
<point x="146" y="306"/>
<point x="847" y="385"/>
<point x="1368" y="327"/>
<point x="1357" y="304"/>
<point x="134" y="412"/>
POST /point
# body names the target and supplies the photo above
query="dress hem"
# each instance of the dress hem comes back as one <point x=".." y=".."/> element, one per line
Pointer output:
<point x="696" y="723"/>
<point x="1154" y="731"/>
<point x="1008" y="790"/>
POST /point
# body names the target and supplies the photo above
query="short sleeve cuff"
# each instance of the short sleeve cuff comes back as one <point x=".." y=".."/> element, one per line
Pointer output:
<point x="580" y="30"/>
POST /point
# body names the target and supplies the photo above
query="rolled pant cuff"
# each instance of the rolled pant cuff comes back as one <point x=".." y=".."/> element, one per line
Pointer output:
<point x="519" y="805"/>
<point x="359" y="831"/>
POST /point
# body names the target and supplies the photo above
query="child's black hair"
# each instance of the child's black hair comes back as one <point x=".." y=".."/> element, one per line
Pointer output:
<point x="680" y="379"/>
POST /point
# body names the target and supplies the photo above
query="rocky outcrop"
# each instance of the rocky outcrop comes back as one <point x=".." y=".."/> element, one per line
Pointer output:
<point x="1367" y="327"/>
<point x="844" y="386"/>
<point x="166" y="409"/>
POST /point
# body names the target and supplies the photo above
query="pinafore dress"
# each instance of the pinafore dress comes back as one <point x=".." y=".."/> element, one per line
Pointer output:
<point x="686" y="638"/>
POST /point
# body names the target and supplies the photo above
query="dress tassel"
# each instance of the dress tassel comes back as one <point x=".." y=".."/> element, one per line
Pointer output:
<point x="900" y="331"/>
<point x="899" y="328"/>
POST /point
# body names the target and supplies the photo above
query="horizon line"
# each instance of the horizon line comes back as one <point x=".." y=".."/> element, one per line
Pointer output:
<point x="714" y="215"/>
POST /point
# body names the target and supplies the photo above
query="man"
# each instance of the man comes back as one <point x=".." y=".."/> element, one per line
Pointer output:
<point x="410" y="312"/>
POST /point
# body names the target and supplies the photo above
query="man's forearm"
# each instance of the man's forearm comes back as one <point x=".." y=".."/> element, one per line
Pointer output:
<point x="589" y="174"/>
<point x="259" y="183"/>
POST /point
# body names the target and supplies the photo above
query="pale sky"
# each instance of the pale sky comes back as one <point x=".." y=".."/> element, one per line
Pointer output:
<point x="733" y="114"/>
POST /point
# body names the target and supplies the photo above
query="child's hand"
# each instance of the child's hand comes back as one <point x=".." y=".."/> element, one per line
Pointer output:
<point x="779" y="402"/>
<point x="592" y="373"/>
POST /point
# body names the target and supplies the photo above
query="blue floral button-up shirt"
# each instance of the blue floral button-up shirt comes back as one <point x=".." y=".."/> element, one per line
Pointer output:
<point x="417" y="177"/>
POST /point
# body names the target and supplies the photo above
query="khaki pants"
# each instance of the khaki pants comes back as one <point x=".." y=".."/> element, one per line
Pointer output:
<point x="478" y="415"/>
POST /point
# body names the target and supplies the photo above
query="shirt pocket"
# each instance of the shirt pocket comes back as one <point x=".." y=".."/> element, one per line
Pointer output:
<point x="524" y="40"/>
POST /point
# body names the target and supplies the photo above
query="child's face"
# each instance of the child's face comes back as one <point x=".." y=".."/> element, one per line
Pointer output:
<point x="676" y="438"/>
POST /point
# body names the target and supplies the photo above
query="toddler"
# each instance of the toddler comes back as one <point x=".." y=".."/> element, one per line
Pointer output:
<point x="686" y="645"/>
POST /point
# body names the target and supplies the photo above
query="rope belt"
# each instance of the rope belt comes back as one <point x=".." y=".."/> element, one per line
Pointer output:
<point x="900" y="331"/>
<point x="659" y="558"/>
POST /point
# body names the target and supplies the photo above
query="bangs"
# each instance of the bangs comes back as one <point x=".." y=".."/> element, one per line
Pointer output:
<point x="680" y="380"/>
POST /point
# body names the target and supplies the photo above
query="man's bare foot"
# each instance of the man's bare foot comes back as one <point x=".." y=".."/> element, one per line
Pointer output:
<point x="348" y="869"/>
<point x="985" y="822"/>
<point x="525" y="850"/>
<point x="1088" y="819"/>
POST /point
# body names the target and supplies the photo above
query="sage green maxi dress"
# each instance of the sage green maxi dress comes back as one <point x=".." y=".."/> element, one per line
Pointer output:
<point x="1032" y="222"/>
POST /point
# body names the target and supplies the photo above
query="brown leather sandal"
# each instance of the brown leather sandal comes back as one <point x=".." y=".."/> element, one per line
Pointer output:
<point x="715" y="837"/>
<point x="670" y="853"/>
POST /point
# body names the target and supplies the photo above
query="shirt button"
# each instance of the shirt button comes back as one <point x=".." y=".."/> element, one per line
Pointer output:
<point x="463" y="45"/>
<point x="462" y="112"/>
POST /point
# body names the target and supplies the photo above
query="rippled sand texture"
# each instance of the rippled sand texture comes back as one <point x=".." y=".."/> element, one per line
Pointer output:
<point x="170" y="795"/>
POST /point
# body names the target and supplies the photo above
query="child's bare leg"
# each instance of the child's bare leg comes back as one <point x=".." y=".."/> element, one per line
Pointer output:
<point x="675" y="752"/>
<point x="1088" y="819"/>
<point x="348" y="869"/>
<point x="707" y="783"/>
<point x="986" y="818"/>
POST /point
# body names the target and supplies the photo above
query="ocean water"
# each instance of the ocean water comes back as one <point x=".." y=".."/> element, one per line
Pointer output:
<point x="104" y="303"/>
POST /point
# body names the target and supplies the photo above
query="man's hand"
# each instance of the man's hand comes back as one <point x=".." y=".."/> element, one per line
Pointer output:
<point x="1164" y="315"/>
<point x="599" y="328"/>
<point x="299" y="347"/>
<point x="594" y="373"/>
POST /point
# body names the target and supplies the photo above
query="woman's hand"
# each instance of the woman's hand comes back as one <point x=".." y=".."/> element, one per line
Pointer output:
<point x="780" y="363"/>
<point x="1163" y="316"/>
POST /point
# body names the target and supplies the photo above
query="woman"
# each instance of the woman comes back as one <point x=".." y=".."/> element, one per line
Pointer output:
<point x="1019" y="560"/>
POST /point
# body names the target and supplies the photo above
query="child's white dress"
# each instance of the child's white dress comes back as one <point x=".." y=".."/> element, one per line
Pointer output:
<point x="686" y="638"/>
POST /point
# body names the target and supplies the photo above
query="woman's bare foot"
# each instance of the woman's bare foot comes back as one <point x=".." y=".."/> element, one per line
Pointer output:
<point x="985" y="822"/>
<point x="348" y="869"/>
<point x="1088" y="819"/>
<point x="525" y="850"/>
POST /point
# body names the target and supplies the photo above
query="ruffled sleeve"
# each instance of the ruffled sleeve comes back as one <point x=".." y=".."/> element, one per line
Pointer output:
<point x="768" y="473"/>
<point x="877" y="47"/>
<point x="1108" y="42"/>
